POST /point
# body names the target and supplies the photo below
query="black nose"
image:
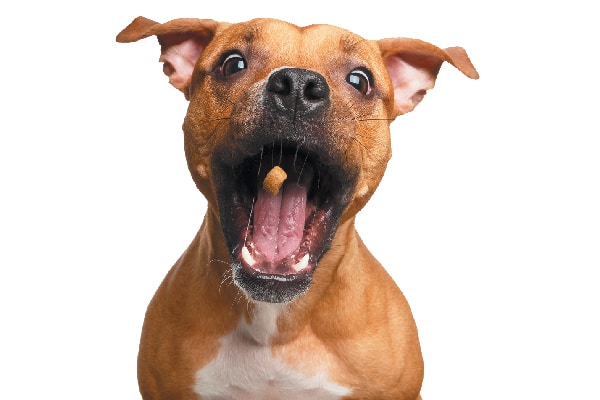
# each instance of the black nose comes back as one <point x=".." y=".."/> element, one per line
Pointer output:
<point x="298" y="91"/>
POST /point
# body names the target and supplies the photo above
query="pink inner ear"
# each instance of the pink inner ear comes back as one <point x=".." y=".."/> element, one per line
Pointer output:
<point x="180" y="60"/>
<point x="410" y="83"/>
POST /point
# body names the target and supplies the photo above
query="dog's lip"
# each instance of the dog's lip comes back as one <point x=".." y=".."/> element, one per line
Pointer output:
<point x="271" y="288"/>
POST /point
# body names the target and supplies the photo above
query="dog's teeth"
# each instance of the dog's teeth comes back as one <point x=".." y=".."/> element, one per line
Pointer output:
<point x="247" y="257"/>
<point x="303" y="263"/>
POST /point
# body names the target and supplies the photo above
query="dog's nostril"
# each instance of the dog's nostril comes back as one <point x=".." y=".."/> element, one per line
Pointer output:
<point x="316" y="90"/>
<point x="281" y="86"/>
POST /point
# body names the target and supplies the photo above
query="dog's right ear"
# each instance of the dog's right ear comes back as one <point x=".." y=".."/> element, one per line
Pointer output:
<point x="181" y="43"/>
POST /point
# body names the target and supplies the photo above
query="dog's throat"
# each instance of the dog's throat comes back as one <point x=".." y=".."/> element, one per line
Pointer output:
<point x="279" y="221"/>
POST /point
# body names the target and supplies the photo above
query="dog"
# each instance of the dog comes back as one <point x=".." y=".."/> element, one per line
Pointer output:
<point x="277" y="297"/>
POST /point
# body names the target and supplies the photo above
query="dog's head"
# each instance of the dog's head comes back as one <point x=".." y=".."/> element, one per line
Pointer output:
<point x="316" y="101"/>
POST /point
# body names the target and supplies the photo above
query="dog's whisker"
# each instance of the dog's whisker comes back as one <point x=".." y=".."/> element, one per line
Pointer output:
<point x="214" y="132"/>
<point x="227" y="274"/>
<point x="302" y="169"/>
<point x="368" y="139"/>
<point x="273" y="155"/>
<point x="280" y="150"/>
<point x="217" y="261"/>
<point x="355" y="140"/>
<point x="296" y="154"/>
<point x="262" y="149"/>
<point x="249" y="221"/>
<point x="374" y="119"/>
<point x="228" y="100"/>
<point x="349" y="108"/>
<point x="319" y="178"/>
<point x="227" y="277"/>
<point x="216" y="119"/>
<point x="239" y="298"/>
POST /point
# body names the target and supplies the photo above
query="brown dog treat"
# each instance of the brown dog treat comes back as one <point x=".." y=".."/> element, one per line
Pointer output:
<point x="274" y="180"/>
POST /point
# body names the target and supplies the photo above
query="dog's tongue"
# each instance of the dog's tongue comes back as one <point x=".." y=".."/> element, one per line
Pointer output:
<point x="279" y="220"/>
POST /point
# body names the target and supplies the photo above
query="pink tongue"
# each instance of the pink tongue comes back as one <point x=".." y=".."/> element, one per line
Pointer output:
<point x="279" y="221"/>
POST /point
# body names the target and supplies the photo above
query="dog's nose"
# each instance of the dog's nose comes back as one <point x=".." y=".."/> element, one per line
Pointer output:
<point x="298" y="91"/>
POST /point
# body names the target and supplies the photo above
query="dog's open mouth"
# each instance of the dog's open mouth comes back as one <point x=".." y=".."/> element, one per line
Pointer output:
<point x="276" y="240"/>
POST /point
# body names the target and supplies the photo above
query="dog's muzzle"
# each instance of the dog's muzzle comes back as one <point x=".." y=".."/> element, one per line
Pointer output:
<point x="277" y="240"/>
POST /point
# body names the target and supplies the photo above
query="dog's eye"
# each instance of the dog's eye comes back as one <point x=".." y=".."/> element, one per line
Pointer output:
<point x="233" y="63"/>
<point x="360" y="80"/>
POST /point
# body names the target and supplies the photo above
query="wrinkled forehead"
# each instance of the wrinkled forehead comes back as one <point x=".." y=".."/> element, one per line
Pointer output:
<point x="280" y="43"/>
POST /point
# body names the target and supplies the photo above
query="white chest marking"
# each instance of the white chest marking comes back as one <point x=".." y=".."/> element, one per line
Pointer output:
<point x="245" y="369"/>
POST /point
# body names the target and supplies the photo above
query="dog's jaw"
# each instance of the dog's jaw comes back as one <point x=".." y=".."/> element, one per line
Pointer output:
<point x="276" y="241"/>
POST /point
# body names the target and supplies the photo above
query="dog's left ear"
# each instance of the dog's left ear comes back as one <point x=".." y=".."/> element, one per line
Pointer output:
<point x="413" y="66"/>
<point x="181" y="42"/>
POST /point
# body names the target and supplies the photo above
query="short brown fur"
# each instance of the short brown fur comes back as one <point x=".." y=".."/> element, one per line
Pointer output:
<point x="353" y="320"/>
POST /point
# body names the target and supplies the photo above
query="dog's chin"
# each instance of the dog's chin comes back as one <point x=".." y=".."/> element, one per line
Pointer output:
<point x="270" y="288"/>
<point x="277" y="240"/>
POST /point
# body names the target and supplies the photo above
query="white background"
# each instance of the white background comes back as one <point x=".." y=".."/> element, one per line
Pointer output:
<point x="488" y="217"/>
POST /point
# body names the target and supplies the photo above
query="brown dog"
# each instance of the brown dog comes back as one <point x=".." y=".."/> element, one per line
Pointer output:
<point x="277" y="297"/>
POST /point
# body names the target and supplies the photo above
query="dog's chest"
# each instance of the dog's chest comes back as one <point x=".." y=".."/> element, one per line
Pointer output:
<point x="246" y="369"/>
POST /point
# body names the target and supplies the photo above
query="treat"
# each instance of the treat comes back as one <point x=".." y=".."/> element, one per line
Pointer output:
<point x="274" y="180"/>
